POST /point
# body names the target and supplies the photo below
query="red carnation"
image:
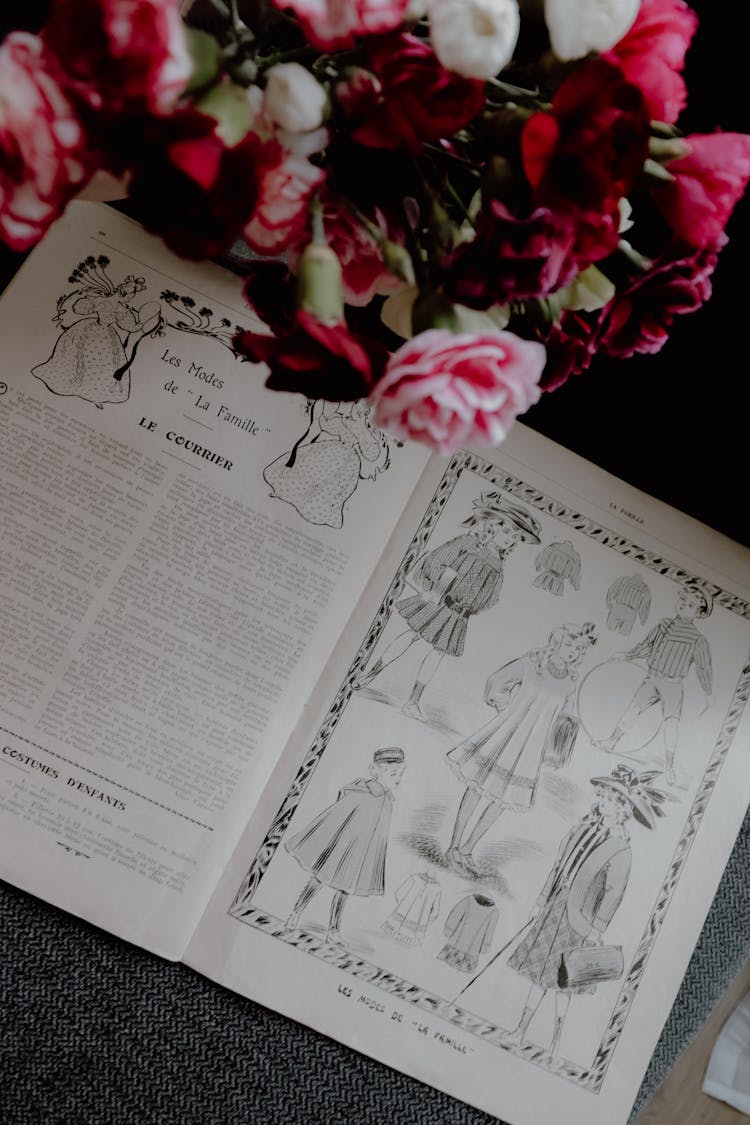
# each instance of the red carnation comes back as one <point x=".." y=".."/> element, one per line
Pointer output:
<point x="121" y="55"/>
<point x="189" y="186"/>
<point x="652" y="55"/>
<point x="585" y="155"/>
<point x="639" y="317"/>
<point x="513" y="258"/>
<point x="420" y="99"/>
<point x="42" y="145"/>
<point x="317" y="360"/>
<point x="571" y="345"/>
<point x="708" y="183"/>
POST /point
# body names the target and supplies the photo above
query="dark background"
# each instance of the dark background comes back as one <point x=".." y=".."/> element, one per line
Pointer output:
<point x="95" y="1032"/>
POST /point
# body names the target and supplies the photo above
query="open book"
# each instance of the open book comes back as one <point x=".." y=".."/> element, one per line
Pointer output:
<point x="441" y="758"/>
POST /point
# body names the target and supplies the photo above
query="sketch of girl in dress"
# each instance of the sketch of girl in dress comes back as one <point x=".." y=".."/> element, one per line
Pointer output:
<point x="501" y="763"/>
<point x="101" y="331"/>
<point x="454" y="582"/>
<point x="339" y="448"/>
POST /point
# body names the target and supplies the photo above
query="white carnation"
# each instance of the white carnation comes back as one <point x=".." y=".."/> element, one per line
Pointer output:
<point x="579" y="26"/>
<point x="295" y="100"/>
<point x="475" y="38"/>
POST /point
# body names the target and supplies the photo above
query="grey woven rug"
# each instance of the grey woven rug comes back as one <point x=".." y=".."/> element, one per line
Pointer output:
<point x="96" y="1032"/>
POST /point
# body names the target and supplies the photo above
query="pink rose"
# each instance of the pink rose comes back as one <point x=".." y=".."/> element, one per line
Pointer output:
<point x="121" y="55"/>
<point x="331" y="24"/>
<point x="286" y="183"/>
<point x="447" y="389"/>
<point x="42" y="156"/>
<point x="652" y="55"/>
<point x="707" y="185"/>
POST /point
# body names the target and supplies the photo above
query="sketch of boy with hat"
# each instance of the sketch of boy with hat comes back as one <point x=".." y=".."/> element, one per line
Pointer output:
<point x="582" y="893"/>
<point x="669" y="649"/>
<point x="456" y="581"/>
<point x="344" y="847"/>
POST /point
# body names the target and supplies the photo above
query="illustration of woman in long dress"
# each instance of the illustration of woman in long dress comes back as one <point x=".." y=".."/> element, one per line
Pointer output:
<point x="339" y="448"/>
<point x="456" y="581"/>
<point x="100" y="334"/>
<point x="500" y="764"/>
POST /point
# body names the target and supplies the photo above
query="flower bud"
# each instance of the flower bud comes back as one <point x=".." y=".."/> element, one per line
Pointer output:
<point x="319" y="289"/>
<point x="204" y="58"/>
<point x="231" y="108"/>
<point x="474" y="38"/>
<point x="295" y="100"/>
<point x="398" y="261"/>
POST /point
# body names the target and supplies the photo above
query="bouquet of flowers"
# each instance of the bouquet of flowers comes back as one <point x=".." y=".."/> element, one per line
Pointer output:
<point x="453" y="205"/>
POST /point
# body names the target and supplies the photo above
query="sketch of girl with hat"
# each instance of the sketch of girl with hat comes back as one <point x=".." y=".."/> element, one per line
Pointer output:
<point x="100" y="334"/>
<point x="580" y="897"/>
<point x="454" y="582"/>
<point x="501" y="763"/>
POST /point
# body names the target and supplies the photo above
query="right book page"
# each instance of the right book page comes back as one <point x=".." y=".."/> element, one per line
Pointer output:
<point x="488" y="851"/>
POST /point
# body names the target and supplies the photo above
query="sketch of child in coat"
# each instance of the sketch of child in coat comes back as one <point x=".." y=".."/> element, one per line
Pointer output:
<point x="344" y="847"/>
<point x="417" y="907"/>
<point x="670" y="649"/>
<point x="100" y="334"/>
<point x="469" y="928"/>
<point x="339" y="448"/>
<point x="500" y="764"/>
<point x="627" y="598"/>
<point x="582" y="893"/>
<point x="556" y="564"/>
<point x="456" y="581"/>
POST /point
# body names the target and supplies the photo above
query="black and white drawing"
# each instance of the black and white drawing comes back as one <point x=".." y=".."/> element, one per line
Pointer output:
<point x="454" y="582"/>
<point x="500" y="763"/>
<point x="469" y="930"/>
<point x="557" y="564"/>
<point x="670" y="649"/>
<point x="580" y="898"/>
<point x="339" y="448"/>
<point x="101" y="330"/>
<point x="627" y="598"/>
<point x="417" y="907"/>
<point x="344" y="848"/>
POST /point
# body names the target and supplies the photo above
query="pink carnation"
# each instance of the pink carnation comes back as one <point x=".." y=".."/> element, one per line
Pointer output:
<point x="42" y="159"/>
<point x="331" y="24"/>
<point x="121" y="55"/>
<point x="286" y="185"/>
<point x="652" y="55"/>
<point x="364" y="273"/>
<point x="447" y="389"/>
<point x="708" y="183"/>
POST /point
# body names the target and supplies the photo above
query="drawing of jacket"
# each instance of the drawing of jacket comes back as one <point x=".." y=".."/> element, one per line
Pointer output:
<point x="344" y="847"/>
<point x="627" y="598"/>
<point x="440" y="615"/>
<point x="418" y="900"/>
<point x="469" y="928"/>
<point x="582" y="892"/>
<point x="557" y="563"/>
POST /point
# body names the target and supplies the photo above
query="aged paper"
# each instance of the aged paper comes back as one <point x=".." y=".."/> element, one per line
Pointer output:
<point x="181" y="549"/>
<point x="486" y="856"/>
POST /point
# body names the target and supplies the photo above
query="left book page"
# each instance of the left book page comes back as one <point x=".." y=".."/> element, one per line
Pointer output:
<point x="181" y="549"/>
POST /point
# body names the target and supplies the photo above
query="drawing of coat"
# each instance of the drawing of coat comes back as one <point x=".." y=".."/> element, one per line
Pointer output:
<point x="582" y="893"/>
<point x="418" y="900"/>
<point x="89" y="352"/>
<point x="469" y="928"/>
<point x="503" y="759"/>
<point x="441" y="613"/>
<point x="627" y="598"/>
<point x="325" y="471"/>
<point x="344" y="847"/>
<point x="557" y="563"/>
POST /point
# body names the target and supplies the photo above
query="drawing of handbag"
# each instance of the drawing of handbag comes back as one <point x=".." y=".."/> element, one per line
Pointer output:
<point x="561" y="740"/>
<point x="590" y="965"/>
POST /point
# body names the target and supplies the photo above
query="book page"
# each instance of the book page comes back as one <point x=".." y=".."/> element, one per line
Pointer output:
<point x="181" y="549"/>
<point x="486" y="859"/>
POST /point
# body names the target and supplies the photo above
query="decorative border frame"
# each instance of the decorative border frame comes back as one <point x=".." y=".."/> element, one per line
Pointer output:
<point x="592" y="1077"/>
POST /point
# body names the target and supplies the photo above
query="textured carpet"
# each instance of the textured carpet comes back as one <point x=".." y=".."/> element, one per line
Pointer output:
<point x="96" y="1032"/>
